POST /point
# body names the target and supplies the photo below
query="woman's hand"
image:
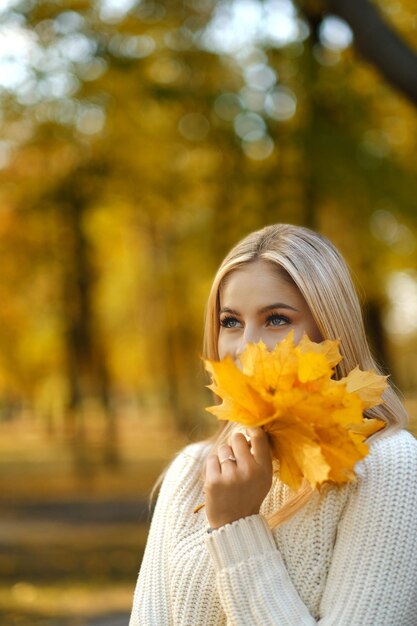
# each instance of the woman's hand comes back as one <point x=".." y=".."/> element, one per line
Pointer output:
<point x="236" y="489"/>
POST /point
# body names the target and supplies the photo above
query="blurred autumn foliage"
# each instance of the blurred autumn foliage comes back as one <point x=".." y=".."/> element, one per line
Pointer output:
<point x="139" y="141"/>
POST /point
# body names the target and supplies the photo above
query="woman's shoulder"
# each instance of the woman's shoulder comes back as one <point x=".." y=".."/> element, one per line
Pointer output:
<point x="393" y="454"/>
<point x="183" y="478"/>
<point x="192" y="454"/>
<point x="188" y="462"/>
<point x="394" y="442"/>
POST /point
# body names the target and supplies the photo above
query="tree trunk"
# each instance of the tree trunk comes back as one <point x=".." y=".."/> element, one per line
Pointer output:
<point x="86" y="366"/>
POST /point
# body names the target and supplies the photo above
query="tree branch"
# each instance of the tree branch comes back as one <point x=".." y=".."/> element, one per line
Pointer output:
<point x="379" y="44"/>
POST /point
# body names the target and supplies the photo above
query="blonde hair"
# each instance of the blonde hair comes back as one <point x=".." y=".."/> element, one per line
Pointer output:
<point x="316" y="267"/>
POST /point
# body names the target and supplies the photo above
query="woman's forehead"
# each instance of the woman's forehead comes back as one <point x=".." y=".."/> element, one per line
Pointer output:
<point x="261" y="269"/>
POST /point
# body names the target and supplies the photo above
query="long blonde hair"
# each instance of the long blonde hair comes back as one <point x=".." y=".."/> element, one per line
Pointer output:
<point x="316" y="267"/>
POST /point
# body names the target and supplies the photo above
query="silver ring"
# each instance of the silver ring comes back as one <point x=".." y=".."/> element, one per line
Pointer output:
<point x="229" y="458"/>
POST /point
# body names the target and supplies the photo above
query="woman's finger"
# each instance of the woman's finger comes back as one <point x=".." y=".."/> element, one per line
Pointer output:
<point x="241" y="447"/>
<point x="212" y="466"/>
<point x="227" y="458"/>
<point x="260" y="446"/>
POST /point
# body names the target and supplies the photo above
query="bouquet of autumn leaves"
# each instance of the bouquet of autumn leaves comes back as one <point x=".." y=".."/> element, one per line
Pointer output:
<point x="315" y="423"/>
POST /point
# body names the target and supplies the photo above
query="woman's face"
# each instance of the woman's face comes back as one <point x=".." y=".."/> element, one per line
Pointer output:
<point x="256" y="303"/>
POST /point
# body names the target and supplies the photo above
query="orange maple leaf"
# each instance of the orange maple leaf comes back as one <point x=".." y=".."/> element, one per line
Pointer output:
<point x="315" y="424"/>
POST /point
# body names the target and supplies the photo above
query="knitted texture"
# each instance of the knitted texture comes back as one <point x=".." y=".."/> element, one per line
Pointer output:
<point x="348" y="558"/>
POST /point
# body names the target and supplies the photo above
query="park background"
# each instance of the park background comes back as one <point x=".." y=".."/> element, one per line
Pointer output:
<point x="139" y="140"/>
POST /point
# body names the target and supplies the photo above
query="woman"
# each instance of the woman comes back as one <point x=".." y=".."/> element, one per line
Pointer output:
<point x="346" y="556"/>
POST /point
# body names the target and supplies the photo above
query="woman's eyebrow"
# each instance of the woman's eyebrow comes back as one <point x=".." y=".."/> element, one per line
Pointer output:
<point x="278" y="305"/>
<point x="225" y="309"/>
<point x="269" y="307"/>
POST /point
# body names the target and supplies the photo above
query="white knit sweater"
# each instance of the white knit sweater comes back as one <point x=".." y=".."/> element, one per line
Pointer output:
<point x="348" y="558"/>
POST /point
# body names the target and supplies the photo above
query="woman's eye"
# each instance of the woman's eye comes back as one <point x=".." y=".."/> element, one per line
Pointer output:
<point x="229" y="322"/>
<point x="277" y="320"/>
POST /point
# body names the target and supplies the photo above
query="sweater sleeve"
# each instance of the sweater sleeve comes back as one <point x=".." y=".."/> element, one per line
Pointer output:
<point x="151" y="601"/>
<point x="371" y="580"/>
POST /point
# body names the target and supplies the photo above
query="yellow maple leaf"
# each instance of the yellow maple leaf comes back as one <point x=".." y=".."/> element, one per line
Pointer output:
<point x="367" y="385"/>
<point x="340" y="452"/>
<point x="240" y="398"/>
<point x="299" y="454"/>
<point x="267" y="367"/>
<point x="315" y="424"/>
<point x="367" y="427"/>
<point x="329" y="348"/>
<point x="312" y="366"/>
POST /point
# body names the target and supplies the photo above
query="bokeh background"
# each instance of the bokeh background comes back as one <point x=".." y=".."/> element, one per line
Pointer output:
<point x="139" y="140"/>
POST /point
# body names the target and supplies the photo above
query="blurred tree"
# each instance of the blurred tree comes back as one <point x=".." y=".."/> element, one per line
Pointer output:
<point x="140" y="141"/>
<point x="86" y="359"/>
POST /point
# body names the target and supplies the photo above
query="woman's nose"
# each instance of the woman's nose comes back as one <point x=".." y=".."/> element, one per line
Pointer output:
<point x="250" y="335"/>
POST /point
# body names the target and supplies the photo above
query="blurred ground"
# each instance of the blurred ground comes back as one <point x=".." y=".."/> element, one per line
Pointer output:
<point x="111" y="620"/>
<point x="70" y="547"/>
